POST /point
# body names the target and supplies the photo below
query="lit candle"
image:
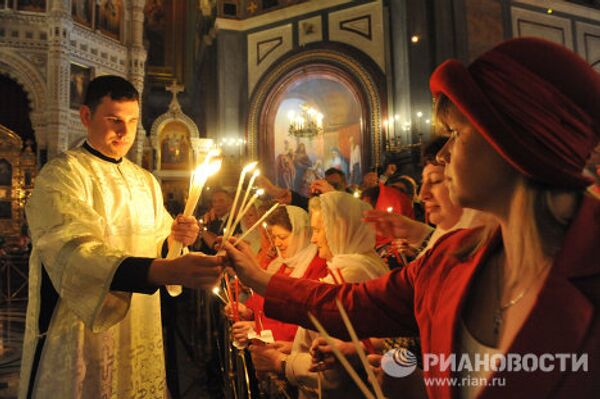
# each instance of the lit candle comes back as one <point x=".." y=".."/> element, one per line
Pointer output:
<point x="197" y="181"/>
<point x="217" y="292"/>
<point x="248" y="189"/>
<point x="258" y="223"/>
<point x="243" y="212"/>
<point x="245" y="170"/>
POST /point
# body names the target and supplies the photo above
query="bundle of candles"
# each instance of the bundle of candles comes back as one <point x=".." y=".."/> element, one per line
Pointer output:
<point x="234" y="219"/>
<point x="200" y="175"/>
<point x="245" y="204"/>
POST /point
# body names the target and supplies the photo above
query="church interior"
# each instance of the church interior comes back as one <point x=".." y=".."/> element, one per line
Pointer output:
<point x="300" y="86"/>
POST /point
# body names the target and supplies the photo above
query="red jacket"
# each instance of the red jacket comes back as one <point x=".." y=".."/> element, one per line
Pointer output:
<point x="284" y="331"/>
<point x="427" y="297"/>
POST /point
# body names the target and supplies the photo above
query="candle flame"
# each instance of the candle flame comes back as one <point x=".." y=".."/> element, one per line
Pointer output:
<point x="250" y="166"/>
<point x="390" y="209"/>
<point x="260" y="192"/>
<point x="197" y="176"/>
<point x="216" y="290"/>
<point x="213" y="167"/>
<point x="264" y="225"/>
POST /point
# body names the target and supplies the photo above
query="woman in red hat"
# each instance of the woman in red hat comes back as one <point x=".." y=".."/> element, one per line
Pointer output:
<point x="519" y="299"/>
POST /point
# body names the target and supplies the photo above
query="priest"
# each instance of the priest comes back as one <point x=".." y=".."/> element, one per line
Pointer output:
<point x="98" y="228"/>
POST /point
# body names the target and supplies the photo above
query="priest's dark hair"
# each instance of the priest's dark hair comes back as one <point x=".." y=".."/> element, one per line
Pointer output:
<point x="116" y="87"/>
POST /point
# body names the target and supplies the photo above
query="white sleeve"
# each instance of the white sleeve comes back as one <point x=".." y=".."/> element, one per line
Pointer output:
<point x="67" y="235"/>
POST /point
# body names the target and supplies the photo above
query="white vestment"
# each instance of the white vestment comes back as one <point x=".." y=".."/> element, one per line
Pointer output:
<point x="86" y="216"/>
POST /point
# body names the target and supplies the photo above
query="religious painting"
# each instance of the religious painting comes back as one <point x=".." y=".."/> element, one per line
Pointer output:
<point x="165" y="38"/>
<point x="108" y="17"/>
<point x="175" y="148"/>
<point x="78" y="81"/>
<point x="5" y="173"/>
<point x="32" y="5"/>
<point x="82" y="11"/>
<point x="156" y="13"/>
<point x="300" y="158"/>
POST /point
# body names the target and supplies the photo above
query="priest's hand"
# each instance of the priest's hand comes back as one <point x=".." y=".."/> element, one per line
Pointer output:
<point x="246" y="266"/>
<point x="184" y="229"/>
<point x="193" y="270"/>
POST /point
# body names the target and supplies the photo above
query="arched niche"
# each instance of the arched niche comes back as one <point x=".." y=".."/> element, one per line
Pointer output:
<point x="344" y="87"/>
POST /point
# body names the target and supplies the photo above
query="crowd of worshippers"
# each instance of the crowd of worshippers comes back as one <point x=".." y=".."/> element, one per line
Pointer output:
<point x="504" y="264"/>
<point x="324" y="238"/>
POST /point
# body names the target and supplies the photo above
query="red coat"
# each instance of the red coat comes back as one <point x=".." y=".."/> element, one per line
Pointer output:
<point x="427" y="297"/>
<point x="284" y="331"/>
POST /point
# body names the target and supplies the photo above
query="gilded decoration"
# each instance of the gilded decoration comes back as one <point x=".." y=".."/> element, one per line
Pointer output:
<point x="17" y="171"/>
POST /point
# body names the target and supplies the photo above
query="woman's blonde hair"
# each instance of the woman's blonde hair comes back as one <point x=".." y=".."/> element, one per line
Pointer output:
<point x="538" y="219"/>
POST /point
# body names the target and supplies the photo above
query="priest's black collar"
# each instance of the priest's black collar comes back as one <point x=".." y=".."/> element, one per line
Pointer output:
<point x="100" y="155"/>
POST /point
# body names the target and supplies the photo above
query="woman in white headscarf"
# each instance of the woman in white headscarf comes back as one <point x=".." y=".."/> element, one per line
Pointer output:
<point x="290" y="232"/>
<point x="348" y="246"/>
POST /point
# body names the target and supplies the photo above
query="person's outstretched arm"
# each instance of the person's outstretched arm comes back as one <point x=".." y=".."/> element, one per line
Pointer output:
<point x="381" y="307"/>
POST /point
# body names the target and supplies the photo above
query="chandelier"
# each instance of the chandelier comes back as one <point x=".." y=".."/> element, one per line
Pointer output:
<point x="305" y="124"/>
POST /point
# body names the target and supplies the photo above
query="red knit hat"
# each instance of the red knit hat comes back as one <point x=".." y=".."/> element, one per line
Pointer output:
<point x="537" y="103"/>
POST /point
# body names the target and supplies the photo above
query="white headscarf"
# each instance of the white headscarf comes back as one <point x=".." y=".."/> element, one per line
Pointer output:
<point x="253" y="238"/>
<point x="300" y="251"/>
<point x="350" y="240"/>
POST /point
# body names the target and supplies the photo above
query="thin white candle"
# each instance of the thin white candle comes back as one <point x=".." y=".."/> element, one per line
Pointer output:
<point x="258" y="223"/>
<point x="342" y="359"/>
<point x="243" y="212"/>
<point x="248" y="189"/>
<point x="359" y="350"/>
<point x="198" y="180"/>
<point x="264" y="226"/>
<point x="216" y="291"/>
<point x="245" y="170"/>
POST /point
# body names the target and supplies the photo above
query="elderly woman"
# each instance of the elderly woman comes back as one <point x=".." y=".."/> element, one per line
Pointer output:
<point x="348" y="246"/>
<point x="522" y="120"/>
